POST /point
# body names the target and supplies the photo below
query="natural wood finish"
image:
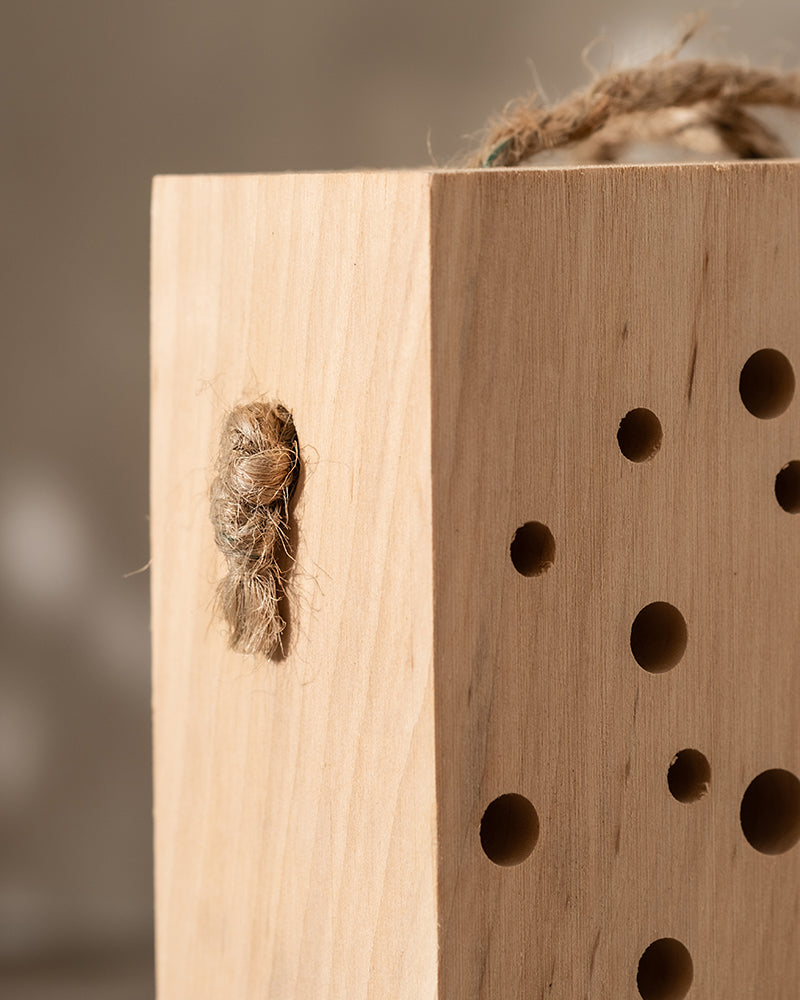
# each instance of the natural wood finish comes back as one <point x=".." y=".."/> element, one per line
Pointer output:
<point x="295" y="801"/>
<point x="563" y="300"/>
<point x="458" y="349"/>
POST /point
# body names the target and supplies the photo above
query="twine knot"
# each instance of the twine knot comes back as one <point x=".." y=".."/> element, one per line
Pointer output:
<point x="257" y="472"/>
<point x="664" y="100"/>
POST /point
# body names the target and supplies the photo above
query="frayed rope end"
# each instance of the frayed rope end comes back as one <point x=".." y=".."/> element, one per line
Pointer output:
<point x="257" y="472"/>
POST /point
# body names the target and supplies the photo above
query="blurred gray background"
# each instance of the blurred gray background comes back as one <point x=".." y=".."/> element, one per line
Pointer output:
<point x="97" y="96"/>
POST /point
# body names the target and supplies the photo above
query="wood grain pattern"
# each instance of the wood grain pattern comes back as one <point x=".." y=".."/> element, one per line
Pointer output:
<point x="295" y="801"/>
<point x="458" y="349"/>
<point x="563" y="300"/>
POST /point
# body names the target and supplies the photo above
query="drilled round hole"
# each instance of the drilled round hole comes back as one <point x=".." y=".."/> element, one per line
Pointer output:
<point x="689" y="776"/>
<point x="533" y="549"/>
<point x="658" y="637"/>
<point x="509" y="830"/>
<point x="770" y="812"/>
<point x="639" y="435"/>
<point x="787" y="488"/>
<point x="766" y="384"/>
<point x="665" y="971"/>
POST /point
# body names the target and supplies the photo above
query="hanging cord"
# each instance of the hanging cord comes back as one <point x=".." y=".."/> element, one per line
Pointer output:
<point x="664" y="99"/>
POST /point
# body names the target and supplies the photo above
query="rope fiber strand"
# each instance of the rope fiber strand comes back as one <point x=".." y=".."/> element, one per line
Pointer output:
<point x="257" y="472"/>
<point x="621" y="101"/>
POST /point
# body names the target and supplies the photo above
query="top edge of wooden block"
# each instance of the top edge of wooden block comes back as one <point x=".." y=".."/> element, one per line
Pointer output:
<point x="699" y="167"/>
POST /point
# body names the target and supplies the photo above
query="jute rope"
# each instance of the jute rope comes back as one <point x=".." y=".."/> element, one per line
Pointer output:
<point x="709" y="128"/>
<point x="650" y="102"/>
<point x="257" y="472"/>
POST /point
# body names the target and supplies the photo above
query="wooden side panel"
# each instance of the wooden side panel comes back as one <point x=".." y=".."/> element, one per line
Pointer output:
<point x="562" y="300"/>
<point x="295" y="800"/>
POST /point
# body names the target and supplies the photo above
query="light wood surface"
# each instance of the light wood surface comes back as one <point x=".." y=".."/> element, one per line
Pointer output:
<point x="295" y="801"/>
<point x="459" y="349"/>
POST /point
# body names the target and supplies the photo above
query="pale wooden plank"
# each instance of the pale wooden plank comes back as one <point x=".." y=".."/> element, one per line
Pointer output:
<point x="560" y="299"/>
<point x="295" y="801"/>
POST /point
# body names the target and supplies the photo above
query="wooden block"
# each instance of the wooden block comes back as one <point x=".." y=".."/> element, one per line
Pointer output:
<point x="544" y="628"/>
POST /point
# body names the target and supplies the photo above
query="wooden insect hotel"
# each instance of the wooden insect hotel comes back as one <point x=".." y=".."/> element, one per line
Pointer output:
<point x="534" y="729"/>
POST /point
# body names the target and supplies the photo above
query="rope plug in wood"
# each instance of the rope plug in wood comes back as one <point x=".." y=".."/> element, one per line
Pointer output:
<point x="257" y="473"/>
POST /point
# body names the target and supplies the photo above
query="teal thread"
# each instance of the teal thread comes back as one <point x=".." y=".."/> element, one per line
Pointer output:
<point x="492" y="158"/>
